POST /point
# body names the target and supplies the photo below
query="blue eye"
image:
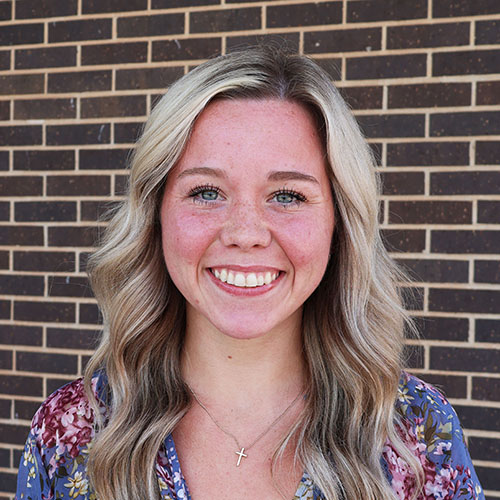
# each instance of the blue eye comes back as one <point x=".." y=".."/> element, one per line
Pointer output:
<point x="204" y="194"/>
<point x="288" y="197"/>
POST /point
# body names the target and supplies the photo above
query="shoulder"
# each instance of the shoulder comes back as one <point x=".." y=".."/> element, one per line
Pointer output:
<point x="65" y="420"/>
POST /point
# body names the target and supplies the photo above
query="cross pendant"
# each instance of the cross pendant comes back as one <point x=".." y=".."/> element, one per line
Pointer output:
<point x="240" y="456"/>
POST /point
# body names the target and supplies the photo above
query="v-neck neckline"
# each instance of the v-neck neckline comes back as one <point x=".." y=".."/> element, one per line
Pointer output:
<point x="181" y="490"/>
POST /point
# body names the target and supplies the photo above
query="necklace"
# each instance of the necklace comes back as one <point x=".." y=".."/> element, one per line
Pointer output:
<point x="241" y="453"/>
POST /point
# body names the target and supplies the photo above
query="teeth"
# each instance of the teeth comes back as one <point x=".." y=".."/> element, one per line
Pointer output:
<point x="250" y="280"/>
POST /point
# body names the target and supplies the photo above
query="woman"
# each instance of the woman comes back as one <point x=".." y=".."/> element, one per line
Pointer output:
<point x="250" y="315"/>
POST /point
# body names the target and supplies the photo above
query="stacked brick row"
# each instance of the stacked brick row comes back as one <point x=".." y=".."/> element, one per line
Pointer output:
<point x="77" y="80"/>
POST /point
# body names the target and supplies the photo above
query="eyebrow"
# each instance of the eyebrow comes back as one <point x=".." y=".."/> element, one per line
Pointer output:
<point x="276" y="175"/>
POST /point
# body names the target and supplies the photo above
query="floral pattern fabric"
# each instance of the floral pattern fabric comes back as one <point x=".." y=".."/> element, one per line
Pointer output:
<point x="53" y="464"/>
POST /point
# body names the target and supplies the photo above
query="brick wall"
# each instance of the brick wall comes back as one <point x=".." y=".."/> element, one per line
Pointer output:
<point x="77" y="78"/>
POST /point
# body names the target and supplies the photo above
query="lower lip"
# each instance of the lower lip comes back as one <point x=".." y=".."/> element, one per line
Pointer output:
<point x="244" y="291"/>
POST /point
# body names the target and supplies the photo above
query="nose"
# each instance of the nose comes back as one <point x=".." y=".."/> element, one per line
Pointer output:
<point x="245" y="227"/>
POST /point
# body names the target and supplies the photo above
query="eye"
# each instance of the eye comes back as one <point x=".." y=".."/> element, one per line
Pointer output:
<point x="204" y="194"/>
<point x="288" y="197"/>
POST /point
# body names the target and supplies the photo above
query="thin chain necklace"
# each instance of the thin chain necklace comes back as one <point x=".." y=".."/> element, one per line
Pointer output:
<point x="241" y="453"/>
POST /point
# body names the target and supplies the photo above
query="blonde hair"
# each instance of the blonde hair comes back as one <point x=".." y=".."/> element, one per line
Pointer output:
<point x="352" y="323"/>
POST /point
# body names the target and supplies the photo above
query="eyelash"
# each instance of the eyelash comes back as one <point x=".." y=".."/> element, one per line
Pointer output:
<point x="198" y="190"/>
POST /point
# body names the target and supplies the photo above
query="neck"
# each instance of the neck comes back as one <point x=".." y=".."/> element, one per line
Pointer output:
<point x="243" y="372"/>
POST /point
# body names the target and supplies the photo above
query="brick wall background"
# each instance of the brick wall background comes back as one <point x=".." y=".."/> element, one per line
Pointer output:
<point x="77" y="78"/>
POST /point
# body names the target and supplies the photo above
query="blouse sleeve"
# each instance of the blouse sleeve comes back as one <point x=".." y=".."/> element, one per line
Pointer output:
<point x="437" y="439"/>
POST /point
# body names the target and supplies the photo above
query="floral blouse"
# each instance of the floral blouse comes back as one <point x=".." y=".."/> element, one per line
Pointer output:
<point x="53" y="465"/>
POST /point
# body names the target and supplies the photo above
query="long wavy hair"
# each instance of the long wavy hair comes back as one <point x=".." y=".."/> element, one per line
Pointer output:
<point x="352" y="323"/>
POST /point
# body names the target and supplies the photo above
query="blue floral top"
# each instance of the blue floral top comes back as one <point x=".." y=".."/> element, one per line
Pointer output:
<point x="53" y="465"/>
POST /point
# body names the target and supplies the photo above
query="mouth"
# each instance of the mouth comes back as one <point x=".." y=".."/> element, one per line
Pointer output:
<point x="245" y="279"/>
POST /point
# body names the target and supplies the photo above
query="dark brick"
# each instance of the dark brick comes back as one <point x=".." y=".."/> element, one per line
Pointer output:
<point x="436" y="270"/>
<point x="96" y="210"/>
<point x="4" y="110"/>
<point x="4" y="59"/>
<point x="147" y="78"/>
<point x="78" y="185"/>
<point x="44" y="261"/>
<point x="53" y="384"/>
<point x="46" y="8"/>
<point x="486" y="389"/>
<point x="400" y="125"/>
<point x="488" y="93"/>
<point x="332" y="66"/>
<point x="44" y="312"/>
<point x="463" y="359"/>
<point x="8" y="479"/>
<point x="483" y="448"/>
<point x="5" y="407"/>
<point x="4" y="210"/>
<point x="21" y="186"/>
<point x="25" y="410"/>
<point x="369" y="97"/>
<point x="456" y="300"/>
<point x="487" y="271"/>
<point x="21" y="335"/>
<point x="132" y="105"/>
<point x="428" y="153"/>
<point x="192" y="48"/>
<point x="430" y="212"/>
<point x="489" y="478"/>
<point x="452" y="386"/>
<point x="4" y="455"/>
<point x="488" y="212"/>
<point x="465" y="241"/>
<point x="436" y="328"/>
<point x="31" y="211"/>
<point x="62" y="236"/>
<point x="413" y="298"/>
<point x="453" y="124"/>
<point x="121" y="185"/>
<point x="89" y="313"/>
<point x="428" y="95"/>
<point x="22" y="235"/>
<point x="478" y="417"/>
<point x="487" y="32"/>
<point x="414" y="356"/>
<point x="5" y="11"/>
<point x="307" y="14"/>
<point x="114" y="53"/>
<point x="21" y="34"/>
<point x="44" y="160"/>
<point x="398" y="183"/>
<point x="44" y="362"/>
<point x="287" y="41"/>
<point x="4" y="260"/>
<point x="458" y="8"/>
<point x="342" y="40"/>
<point x="466" y="62"/>
<point x="79" y="81"/>
<point x="398" y="66"/>
<point x="21" y="135"/>
<point x="45" y="58"/>
<point x="21" y="285"/>
<point x="13" y="434"/>
<point x="374" y="10"/>
<point x="91" y="159"/>
<point x="68" y="31"/>
<point x="5" y="360"/>
<point x="5" y="309"/>
<point x="169" y="4"/>
<point x="69" y="286"/>
<point x="465" y="183"/>
<point x="487" y="330"/>
<point x="127" y="132"/>
<point x="4" y="160"/>
<point x="151" y="25"/>
<point x="97" y="6"/>
<point x="61" y="135"/>
<point x="404" y="240"/>
<point x="44" y="108"/>
<point x="214" y="21"/>
<point x="428" y="35"/>
<point x="66" y="338"/>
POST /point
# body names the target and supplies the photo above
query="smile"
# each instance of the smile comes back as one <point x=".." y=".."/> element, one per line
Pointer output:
<point x="245" y="280"/>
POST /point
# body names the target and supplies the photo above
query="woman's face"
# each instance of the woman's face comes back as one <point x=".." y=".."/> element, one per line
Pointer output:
<point x="247" y="217"/>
